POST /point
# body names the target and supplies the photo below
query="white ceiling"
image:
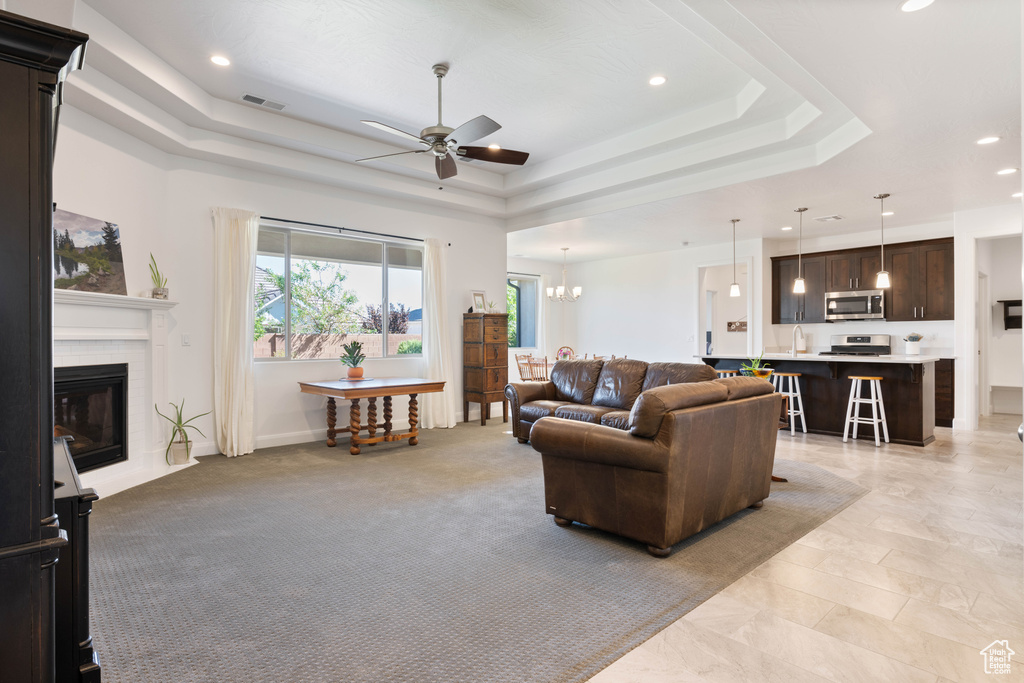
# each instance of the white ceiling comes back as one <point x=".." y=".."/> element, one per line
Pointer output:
<point x="769" y="104"/>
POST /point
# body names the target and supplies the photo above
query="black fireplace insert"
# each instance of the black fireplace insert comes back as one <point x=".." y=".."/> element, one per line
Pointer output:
<point x="90" y="404"/>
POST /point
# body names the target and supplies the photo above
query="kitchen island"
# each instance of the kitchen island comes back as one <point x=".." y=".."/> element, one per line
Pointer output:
<point x="908" y="390"/>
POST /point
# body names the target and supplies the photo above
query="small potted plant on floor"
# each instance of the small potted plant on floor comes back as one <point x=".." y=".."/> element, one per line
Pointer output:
<point x="755" y="367"/>
<point x="159" y="280"/>
<point x="353" y="358"/>
<point x="179" y="448"/>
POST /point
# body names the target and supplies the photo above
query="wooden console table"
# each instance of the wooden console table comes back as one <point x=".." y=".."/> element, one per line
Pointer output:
<point x="371" y="390"/>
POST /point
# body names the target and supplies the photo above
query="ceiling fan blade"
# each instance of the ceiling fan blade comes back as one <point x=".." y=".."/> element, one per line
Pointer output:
<point x="474" y="129"/>
<point x="395" y="131"/>
<point x="445" y="167"/>
<point x="382" y="156"/>
<point x="501" y="156"/>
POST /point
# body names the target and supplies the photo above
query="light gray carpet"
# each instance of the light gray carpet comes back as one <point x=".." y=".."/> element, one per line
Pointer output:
<point x="412" y="564"/>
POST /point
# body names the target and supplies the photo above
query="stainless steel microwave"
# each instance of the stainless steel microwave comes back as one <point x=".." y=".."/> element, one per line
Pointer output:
<point x="865" y="304"/>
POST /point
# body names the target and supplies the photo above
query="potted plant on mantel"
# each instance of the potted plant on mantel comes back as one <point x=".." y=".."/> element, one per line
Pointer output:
<point x="353" y="358"/>
<point x="179" y="448"/>
<point x="159" y="280"/>
<point x="755" y="367"/>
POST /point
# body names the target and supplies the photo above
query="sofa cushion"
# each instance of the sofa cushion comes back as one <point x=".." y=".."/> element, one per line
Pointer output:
<point x="619" y="419"/>
<point x="661" y="374"/>
<point x="581" y="413"/>
<point x="619" y="383"/>
<point x="743" y="387"/>
<point x="575" y="380"/>
<point x="535" y="410"/>
<point x="648" y="411"/>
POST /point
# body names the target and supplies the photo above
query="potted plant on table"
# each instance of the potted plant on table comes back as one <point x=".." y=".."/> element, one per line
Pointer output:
<point x="159" y="280"/>
<point x="179" y="448"/>
<point x="353" y="358"/>
<point x="755" y="367"/>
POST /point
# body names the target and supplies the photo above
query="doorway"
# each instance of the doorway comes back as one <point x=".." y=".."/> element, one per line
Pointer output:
<point x="723" y="318"/>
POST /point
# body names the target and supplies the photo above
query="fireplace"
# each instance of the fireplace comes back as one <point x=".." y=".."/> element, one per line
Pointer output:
<point x="91" y="405"/>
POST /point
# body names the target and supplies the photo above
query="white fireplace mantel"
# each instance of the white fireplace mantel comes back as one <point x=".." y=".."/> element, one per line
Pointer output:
<point x="93" y="328"/>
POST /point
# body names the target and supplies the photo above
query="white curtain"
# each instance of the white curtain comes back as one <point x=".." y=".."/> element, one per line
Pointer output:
<point x="235" y="235"/>
<point x="438" y="409"/>
<point x="545" y="335"/>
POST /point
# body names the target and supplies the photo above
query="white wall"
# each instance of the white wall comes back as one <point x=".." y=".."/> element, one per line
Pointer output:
<point x="970" y="226"/>
<point x="162" y="204"/>
<point x="647" y="306"/>
<point x="1000" y="260"/>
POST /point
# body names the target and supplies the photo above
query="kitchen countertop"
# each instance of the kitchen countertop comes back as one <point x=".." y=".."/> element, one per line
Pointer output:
<point x="912" y="360"/>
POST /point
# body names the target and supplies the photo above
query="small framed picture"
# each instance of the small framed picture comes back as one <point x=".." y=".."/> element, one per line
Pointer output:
<point x="479" y="302"/>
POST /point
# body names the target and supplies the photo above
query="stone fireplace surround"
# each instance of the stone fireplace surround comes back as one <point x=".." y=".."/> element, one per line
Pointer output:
<point x="93" y="329"/>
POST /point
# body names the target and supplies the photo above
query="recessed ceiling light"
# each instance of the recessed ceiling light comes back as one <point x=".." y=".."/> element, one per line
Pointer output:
<point x="787" y="227"/>
<point x="914" y="5"/>
<point x="220" y="61"/>
<point x="1006" y="171"/>
<point x="657" y="80"/>
<point x="887" y="213"/>
<point x="989" y="140"/>
<point x="494" y="146"/>
<point x="1016" y="195"/>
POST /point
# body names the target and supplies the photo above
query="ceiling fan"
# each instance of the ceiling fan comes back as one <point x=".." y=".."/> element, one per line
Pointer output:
<point x="443" y="142"/>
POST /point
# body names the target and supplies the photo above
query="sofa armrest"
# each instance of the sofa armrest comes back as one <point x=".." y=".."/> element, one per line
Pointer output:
<point x="524" y="392"/>
<point x="600" y="444"/>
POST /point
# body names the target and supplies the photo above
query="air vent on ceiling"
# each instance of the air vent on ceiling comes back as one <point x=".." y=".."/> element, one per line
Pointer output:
<point x="262" y="102"/>
<point x="829" y="219"/>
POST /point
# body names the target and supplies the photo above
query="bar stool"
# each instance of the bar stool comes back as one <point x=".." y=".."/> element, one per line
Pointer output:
<point x="877" y="407"/>
<point x="796" y="401"/>
<point x="727" y="373"/>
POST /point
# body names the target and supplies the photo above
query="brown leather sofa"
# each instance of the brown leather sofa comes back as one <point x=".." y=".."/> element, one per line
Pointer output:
<point x="693" y="454"/>
<point x="596" y="391"/>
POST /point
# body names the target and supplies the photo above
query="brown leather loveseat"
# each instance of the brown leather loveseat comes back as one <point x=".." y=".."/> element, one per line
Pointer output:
<point x="597" y="391"/>
<point x="693" y="455"/>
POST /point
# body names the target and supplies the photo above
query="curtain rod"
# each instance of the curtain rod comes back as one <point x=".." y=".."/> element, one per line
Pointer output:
<point x="334" y="227"/>
<point x="524" y="274"/>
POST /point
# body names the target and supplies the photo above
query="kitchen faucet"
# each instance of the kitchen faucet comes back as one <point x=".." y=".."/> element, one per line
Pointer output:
<point x="796" y="329"/>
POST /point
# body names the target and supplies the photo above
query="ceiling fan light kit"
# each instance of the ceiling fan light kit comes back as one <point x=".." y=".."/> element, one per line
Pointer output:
<point x="443" y="142"/>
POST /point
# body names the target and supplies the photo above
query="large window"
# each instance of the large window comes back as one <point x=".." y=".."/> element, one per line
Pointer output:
<point x="522" y="311"/>
<point x="317" y="291"/>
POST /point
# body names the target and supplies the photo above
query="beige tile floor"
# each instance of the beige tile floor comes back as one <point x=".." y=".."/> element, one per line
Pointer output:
<point x="907" y="584"/>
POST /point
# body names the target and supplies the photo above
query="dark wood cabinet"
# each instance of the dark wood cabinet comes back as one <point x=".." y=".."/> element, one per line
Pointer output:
<point x="484" y="362"/>
<point x="921" y="274"/>
<point x="34" y="58"/>
<point x="852" y="270"/>
<point x="788" y="307"/>
<point x="944" y="392"/>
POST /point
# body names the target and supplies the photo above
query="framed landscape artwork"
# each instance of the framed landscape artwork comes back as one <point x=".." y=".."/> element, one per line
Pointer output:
<point x="86" y="254"/>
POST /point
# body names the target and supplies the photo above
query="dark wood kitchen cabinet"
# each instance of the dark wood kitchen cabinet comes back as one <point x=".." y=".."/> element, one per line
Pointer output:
<point x="789" y="308"/>
<point x="922" y="281"/>
<point x="921" y="276"/>
<point x="852" y="270"/>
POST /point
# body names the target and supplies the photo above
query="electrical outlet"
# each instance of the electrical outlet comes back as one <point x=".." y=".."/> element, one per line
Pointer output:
<point x="186" y="340"/>
<point x="690" y="338"/>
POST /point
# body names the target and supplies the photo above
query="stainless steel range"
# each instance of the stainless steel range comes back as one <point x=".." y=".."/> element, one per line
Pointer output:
<point x="859" y="345"/>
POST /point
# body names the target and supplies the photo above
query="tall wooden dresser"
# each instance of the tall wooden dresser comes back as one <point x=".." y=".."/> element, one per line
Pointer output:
<point x="484" y="363"/>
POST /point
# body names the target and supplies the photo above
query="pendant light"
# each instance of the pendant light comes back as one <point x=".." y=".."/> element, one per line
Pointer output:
<point x="798" y="284"/>
<point x="734" y="288"/>
<point x="561" y="293"/>
<point x="882" y="281"/>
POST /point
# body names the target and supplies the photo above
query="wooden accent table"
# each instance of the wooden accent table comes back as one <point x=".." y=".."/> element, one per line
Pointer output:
<point x="371" y="390"/>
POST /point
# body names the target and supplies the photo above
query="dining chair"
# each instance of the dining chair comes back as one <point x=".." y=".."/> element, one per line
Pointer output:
<point x="523" y="362"/>
<point x="539" y="369"/>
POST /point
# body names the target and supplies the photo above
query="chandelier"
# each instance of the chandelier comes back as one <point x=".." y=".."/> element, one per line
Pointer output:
<point x="561" y="293"/>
